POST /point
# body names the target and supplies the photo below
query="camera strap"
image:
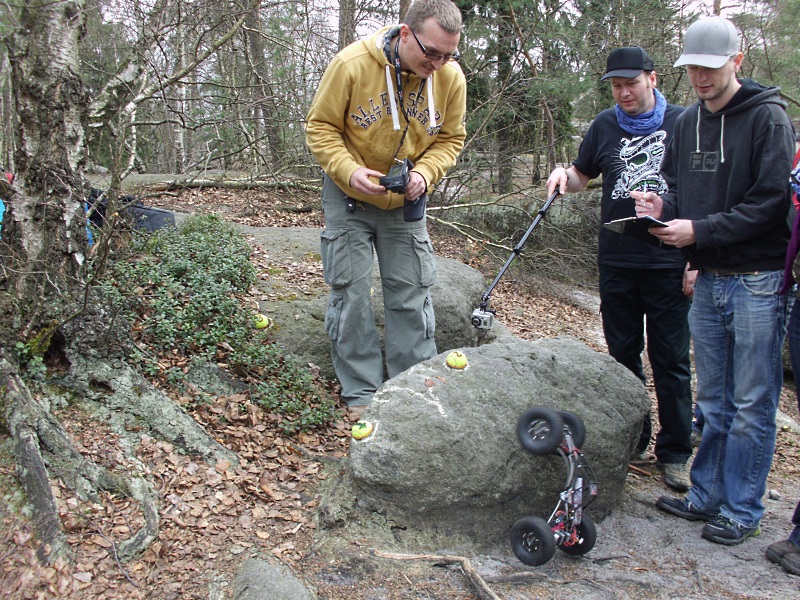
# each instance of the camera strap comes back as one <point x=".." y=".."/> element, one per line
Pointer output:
<point x="399" y="80"/>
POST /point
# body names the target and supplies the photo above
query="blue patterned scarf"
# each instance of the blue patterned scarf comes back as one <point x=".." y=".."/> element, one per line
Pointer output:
<point x="645" y="123"/>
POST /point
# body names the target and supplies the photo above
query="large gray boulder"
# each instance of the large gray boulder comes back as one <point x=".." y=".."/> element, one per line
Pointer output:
<point x="298" y="310"/>
<point x="444" y="457"/>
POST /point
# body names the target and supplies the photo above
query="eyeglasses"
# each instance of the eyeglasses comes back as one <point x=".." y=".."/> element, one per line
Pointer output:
<point x="434" y="55"/>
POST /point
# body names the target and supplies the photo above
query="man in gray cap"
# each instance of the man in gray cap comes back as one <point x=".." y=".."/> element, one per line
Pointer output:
<point x="640" y="282"/>
<point x="727" y="208"/>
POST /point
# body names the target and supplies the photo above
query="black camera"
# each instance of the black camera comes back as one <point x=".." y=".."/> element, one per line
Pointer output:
<point x="397" y="179"/>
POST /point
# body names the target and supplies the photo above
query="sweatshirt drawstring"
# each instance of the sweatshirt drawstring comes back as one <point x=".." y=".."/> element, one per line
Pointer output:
<point x="390" y="89"/>
<point x="721" y="136"/>
<point x="431" y="106"/>
<point x="697" y="131"/>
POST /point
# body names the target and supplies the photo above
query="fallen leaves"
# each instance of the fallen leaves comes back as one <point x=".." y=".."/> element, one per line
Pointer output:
<point x="215" y="516"/>
<point x="208" y="512"/>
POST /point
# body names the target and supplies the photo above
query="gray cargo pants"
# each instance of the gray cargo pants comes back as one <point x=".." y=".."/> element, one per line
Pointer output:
<point x="407" y="268"/>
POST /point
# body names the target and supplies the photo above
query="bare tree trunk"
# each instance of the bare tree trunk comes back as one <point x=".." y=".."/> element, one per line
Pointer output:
<point x="180" y="101"/>
<point x="505" y="152"/>
<point x="44" y="236"/>
<point x="265" y="113"/>
<point x="7" y="137"/>
<point x="347" y="22"/>
<point x="43" y="248"/>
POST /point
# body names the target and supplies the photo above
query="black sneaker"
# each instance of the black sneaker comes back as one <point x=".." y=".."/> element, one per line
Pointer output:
<point x="723" y="530"/>
<point x="681" y="507"/>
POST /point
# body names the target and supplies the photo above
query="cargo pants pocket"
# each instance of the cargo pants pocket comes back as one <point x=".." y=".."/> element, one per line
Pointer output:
<point x="337" y="266"/>
<point x="426" y="256"/>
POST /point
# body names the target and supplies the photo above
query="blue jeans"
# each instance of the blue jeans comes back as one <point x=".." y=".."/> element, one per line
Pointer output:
<point x="629" y="300"/>
<point x="738" y="325"/>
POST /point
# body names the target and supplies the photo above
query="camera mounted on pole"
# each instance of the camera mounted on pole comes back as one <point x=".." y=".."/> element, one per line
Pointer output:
<point x="483" y="316"/>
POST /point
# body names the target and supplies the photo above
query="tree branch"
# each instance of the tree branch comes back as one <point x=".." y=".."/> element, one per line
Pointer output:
<point x="483" y="591"/>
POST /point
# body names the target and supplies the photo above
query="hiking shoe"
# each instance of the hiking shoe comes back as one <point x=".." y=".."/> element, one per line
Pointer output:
<point x="676" y="475"/>
<point x="638" y="455"/>
<point x="779" y="550"/>
<point x="681" y="507"/>
<point x="696" y="437"/>
<point x="791" y="563"/>
<point x="723" y="530"/>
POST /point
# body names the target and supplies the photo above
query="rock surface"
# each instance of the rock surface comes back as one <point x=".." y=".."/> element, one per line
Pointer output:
<point x="298" y="312"/>
<point x="266" y="580"/>
<point x="444" y="457"/>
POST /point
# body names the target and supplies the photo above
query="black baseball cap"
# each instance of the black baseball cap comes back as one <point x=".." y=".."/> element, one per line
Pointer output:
<point x="627" y="62"/>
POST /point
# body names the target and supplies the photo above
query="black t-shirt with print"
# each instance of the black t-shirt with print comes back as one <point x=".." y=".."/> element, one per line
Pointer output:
<point x="627" y="162"/>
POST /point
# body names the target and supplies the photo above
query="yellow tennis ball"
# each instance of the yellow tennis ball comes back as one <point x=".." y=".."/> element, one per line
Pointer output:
<point x="262" y="321"/>
<point x="456" y="360"/>
<point x="361" y="429"/>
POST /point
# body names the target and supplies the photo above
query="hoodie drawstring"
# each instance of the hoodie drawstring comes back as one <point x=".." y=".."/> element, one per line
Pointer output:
<point x="395" y="120"/>
<point x="721" y="136"/>
<point x="697" y="132"/>
<point x="431" y="107"/>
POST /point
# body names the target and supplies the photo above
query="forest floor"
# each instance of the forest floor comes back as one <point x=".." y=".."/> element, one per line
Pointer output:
<point x="214" y="517"/>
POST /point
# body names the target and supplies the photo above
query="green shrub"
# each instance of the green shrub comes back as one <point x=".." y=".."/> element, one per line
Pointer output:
<point x="181" y="289"/>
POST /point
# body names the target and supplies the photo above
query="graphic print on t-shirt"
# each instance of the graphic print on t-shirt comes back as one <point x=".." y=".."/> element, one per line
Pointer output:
<point x="639" y="165"/>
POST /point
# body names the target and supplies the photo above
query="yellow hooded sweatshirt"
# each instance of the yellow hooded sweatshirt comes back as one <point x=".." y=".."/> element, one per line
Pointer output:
<point x="353" y="121"/>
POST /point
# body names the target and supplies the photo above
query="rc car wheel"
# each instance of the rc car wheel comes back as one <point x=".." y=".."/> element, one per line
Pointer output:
<point x="540" y="430"/>
<point x="533" y="541"/>
<point x="576" y="427"/>
<point x="587" y="534"/>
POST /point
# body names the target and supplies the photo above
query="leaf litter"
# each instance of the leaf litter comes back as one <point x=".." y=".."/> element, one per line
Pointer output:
<point x="215" y="516"/>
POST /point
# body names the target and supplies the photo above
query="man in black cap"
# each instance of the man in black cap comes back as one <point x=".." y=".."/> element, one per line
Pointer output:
<point x="640" y="282"/>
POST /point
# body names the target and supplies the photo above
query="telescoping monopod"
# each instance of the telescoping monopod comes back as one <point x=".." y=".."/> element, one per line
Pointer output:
<point x="483" y="316"/>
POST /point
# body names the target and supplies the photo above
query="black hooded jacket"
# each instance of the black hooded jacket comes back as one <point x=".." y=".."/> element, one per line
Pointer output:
<point x="728" y="172"/>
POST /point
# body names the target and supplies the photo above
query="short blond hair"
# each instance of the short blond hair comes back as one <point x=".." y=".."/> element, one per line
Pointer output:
<point x="444" y="12"/>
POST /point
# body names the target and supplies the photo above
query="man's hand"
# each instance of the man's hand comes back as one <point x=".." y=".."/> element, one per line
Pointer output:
<point x="678" y="233"/>
<point x="360" y="181"/>
<point x="648" y="204"/>
<point x="416" y="186"/>
<point x="558" y="178"/>
<point x="689" y="277"/>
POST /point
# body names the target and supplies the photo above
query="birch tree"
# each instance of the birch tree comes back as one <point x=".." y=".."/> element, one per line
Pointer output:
<point x="48" y="309"/>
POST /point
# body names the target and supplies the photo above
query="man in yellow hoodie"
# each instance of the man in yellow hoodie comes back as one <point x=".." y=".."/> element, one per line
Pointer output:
<point x="397" y="95"/>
